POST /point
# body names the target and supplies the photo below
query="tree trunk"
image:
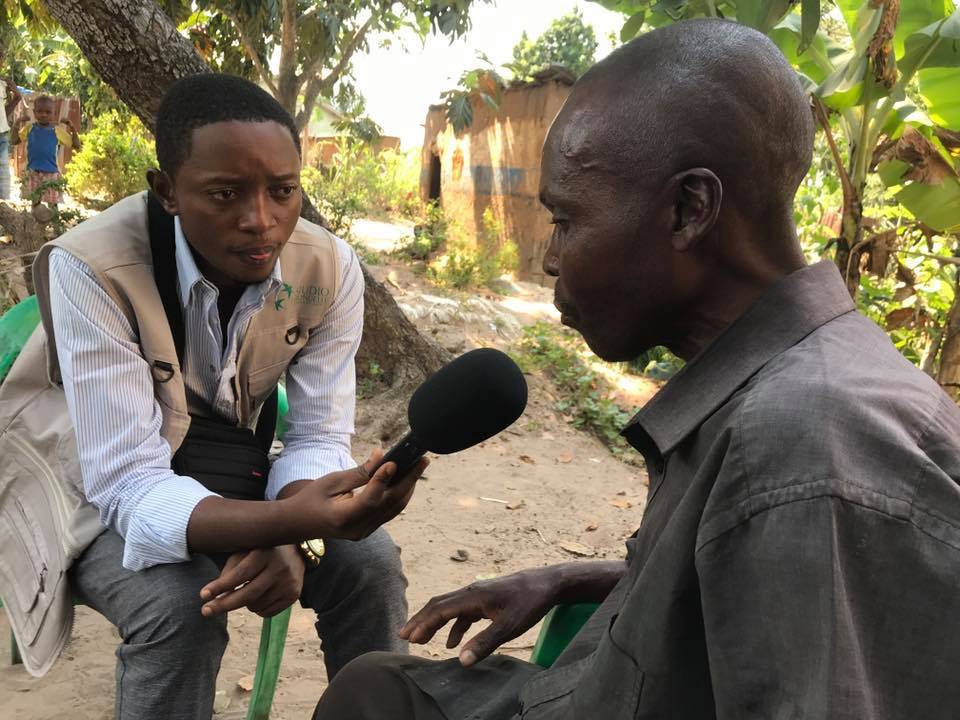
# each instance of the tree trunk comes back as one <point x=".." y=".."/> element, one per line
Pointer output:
<point x="137" y="50"/>
<point x="949" y="373"/>
<point x="849" y="244"/>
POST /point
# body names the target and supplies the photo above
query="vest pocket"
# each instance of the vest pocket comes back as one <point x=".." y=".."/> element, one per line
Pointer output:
<point x="28" y="569"/>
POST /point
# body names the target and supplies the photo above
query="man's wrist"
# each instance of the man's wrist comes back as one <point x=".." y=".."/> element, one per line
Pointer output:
<point x="579" y="582"/>
<point x="291" y="489"/>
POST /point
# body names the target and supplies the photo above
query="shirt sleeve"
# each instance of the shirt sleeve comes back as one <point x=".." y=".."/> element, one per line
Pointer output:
<point x="109" y="390"/>
<point x="63" y="136"/>
<point x="321" y="388"/>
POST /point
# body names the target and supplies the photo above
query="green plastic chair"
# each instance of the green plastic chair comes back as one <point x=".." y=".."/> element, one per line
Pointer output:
<point x="559" y="627"/>
<point x="16" y="326"/>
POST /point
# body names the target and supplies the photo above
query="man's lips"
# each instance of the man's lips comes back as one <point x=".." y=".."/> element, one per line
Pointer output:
<point x="566" y="312"/>
<point x="257" y="255"/>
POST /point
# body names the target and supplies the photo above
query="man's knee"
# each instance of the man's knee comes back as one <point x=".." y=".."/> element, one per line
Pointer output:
<point x="368" y="568"/>
<point x="363" y="685"/>
<point x="172" y="612"/>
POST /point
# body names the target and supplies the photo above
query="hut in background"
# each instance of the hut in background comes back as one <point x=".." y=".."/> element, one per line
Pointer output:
<point x="495" y="163"/>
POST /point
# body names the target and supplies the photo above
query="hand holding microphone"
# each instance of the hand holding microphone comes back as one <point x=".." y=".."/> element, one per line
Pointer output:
<point x="465" y="402"/>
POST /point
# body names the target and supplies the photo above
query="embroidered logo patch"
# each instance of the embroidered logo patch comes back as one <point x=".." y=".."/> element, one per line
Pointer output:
<point x="283" y="294"/>
<point x="308" y="295"/>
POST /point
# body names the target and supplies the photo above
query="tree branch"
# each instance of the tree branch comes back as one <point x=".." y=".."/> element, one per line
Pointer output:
<point x="251" y="51"/>
<point x="821" y="112"/>
<point x="287" y="80"/>
<point x="346" y="54"/>
<point x="310" y="94"/>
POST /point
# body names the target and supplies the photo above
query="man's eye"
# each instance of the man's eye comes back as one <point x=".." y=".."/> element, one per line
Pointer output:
<point x="223" y="194"/>
<point x="286" y="191"/>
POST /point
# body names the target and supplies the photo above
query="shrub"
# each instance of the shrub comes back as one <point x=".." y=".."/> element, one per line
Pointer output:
<point x="113" y="162"/>
<point x="362" y="181"/>
<point x="465" y="264"/>
<point x="584" y="394"/>
<point x="430" y="235"/>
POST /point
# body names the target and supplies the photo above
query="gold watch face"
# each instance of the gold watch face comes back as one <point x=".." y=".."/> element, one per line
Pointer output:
<point x="316" y="547"/>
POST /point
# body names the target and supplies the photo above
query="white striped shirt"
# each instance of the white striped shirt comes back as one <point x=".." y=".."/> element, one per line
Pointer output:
<point x="109" y="390"/>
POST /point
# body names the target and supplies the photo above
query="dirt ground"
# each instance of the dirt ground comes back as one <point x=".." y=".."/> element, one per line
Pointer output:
<point x="539" y="493"/>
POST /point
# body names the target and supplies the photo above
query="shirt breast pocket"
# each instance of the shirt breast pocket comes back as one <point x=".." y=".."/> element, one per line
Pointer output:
<point x="605" y="684"/>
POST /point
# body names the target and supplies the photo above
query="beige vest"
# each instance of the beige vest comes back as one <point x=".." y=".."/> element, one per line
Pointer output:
<point x="45" y="520"/>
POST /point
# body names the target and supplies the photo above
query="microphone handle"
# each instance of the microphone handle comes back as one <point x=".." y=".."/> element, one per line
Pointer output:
<point x="405" y="454"/>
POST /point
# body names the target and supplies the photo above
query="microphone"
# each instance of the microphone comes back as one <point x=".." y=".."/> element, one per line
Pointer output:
<point x="468" y="400"/>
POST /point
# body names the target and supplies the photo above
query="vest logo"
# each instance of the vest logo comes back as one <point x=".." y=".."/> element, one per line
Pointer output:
<point x="305" y="295"/>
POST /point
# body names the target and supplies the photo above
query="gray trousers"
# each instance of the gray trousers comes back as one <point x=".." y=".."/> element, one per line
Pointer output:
<point x="168" y="660"/>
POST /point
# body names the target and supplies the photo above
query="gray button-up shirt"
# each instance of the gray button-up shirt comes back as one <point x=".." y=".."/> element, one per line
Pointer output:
<point x="799" y="556"/>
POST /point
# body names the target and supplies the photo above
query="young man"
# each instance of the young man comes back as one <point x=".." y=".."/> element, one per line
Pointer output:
<point x="168" y="322"/>
<point x="799" y="555"/>
<point x="44" y="138"/>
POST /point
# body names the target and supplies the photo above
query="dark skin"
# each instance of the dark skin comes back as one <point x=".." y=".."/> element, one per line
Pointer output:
<point x="237" y="195"/>
<point x="673" y="264"/>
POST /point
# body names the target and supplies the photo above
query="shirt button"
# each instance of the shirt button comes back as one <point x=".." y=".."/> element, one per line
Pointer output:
<point x="213" y="368"/>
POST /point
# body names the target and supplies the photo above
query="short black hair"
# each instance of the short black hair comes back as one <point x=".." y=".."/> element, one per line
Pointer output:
<point x="199" y="100"/>
<point x="42" y="99"/>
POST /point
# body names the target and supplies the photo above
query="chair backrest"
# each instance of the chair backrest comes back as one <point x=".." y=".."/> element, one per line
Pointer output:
<point x="16" y="327"/>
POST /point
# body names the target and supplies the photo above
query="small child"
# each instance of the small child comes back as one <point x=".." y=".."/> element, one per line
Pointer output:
<point x="43" y="137"/>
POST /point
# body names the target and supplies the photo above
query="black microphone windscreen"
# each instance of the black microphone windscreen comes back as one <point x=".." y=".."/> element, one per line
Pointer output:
<point x="467" y="401"/>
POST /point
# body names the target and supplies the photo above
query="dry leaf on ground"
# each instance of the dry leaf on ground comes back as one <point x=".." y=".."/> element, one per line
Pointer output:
<point x="576" y="548"/>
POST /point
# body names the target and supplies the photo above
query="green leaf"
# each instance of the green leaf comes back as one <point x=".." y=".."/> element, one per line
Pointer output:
<point x="936" y="45"/>
<point x="459" y="111"/>
<point x="763" y="15"/>
<point x="905" y="113"/>
<point x="940" y="89"/>
<point x="810" y="23"/>
<point x="632" y="26"/>
<point x="935" y="205"/>
<point x="816" y="63"/>
<point x="891" y="172"/>
<point x="844" y="88"/>
<point x="862" y="20"/>
<point x="627" y="7"/>
<point x="916" y="15"/>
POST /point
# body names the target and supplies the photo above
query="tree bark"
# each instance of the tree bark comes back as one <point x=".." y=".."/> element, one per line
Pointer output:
<point x="137" y="50"/>
<point x="948" y="374"/>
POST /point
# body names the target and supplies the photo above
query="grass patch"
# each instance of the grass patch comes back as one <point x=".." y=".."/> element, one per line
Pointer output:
<point x="586" y="397"/>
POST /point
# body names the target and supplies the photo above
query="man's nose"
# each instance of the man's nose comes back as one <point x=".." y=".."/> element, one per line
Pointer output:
<point x="257" y="216"/>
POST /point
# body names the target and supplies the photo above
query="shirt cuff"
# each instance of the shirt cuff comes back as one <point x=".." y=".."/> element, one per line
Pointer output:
<point x="306" y="463"/>
<point x="157" y="533"/>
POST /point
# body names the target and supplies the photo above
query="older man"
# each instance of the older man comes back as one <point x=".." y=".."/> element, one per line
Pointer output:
<point x="799" y="556"/>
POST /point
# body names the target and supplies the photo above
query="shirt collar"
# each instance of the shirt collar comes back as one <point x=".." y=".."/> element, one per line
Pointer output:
<point x="785" y="314"/>
<point x="188" y="274"/>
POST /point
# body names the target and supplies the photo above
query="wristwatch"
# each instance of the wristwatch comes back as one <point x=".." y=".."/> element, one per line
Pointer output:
<point x="312" y="551"/>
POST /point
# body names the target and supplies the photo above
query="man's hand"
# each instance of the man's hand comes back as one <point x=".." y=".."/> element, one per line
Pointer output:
<point x="322" y="508"/>
<point x="330" y="505"/>
<point x="514" y="603"/>
<point x="266" y="581"/>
